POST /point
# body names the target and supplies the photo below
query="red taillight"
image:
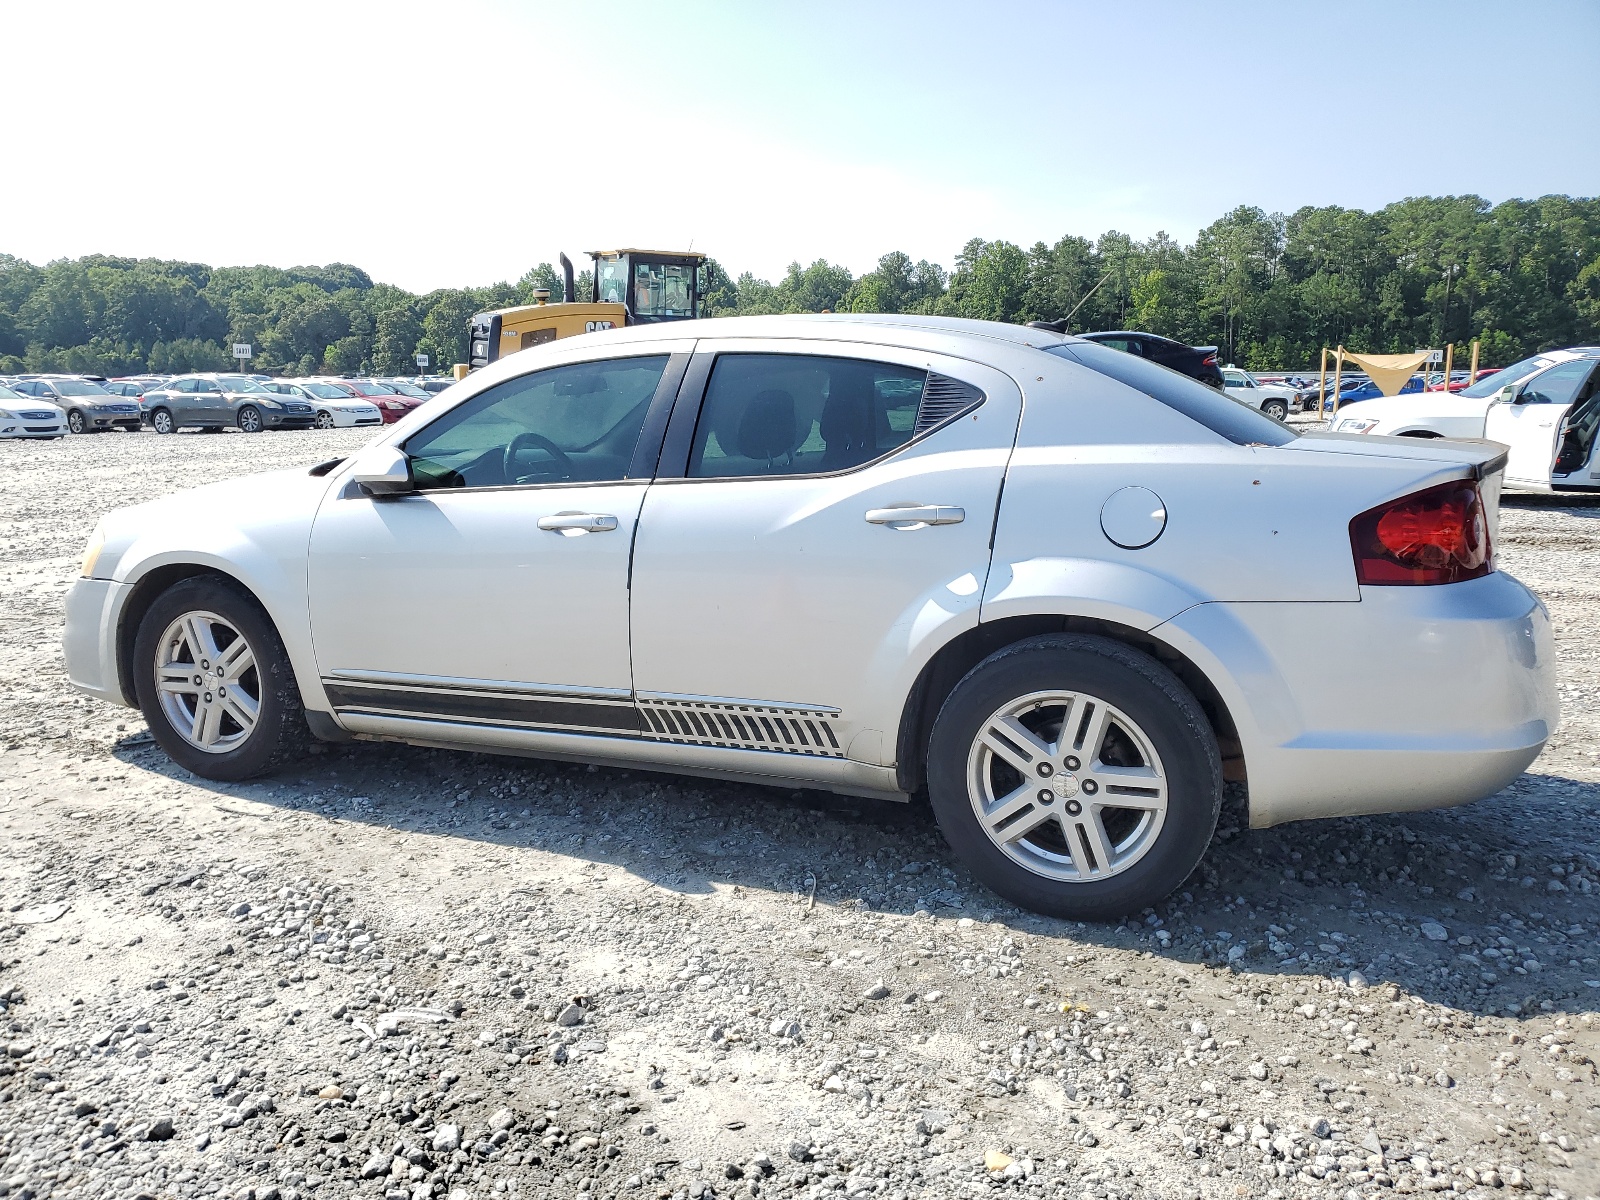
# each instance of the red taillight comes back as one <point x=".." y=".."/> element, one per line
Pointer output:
<point x="1209" y="360"/>
<point x="1440" y="535"/>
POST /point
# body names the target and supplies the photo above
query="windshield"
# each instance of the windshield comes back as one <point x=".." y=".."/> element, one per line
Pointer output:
<point x="1240" y="423"/>
<point x="409" y="389"/>
<point x="369" y="389"/>
<point x="612" y="284"/>
<point x="325" y="391"/>
<point x="78" y="387"/>
<point x="662" y="291"/>
<point x="1515" y="373"/>
<point x="238" y="383"/>
<point x="7" y="394"/>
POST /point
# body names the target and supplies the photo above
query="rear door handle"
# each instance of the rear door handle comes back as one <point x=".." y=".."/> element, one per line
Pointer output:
<point x="578" y="522"/>
<point x="914" y="515"/>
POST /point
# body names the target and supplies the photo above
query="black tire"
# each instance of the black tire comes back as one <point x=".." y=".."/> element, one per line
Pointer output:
<point x="76" y="422"/>
<point x="161" y="421"/>
<point x="249" y="419"/>
<point x="324" y="420"/>
<point x="1276" y="409"/>
<point x="280" y="734"/>
<point x="1127" y="680"/>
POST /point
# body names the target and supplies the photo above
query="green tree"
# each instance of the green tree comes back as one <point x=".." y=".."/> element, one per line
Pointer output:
<point x="394" y="344"/>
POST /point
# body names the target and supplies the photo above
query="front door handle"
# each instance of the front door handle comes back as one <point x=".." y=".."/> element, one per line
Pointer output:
<point x="914" y="516"/>
<point x="578" y="522"/>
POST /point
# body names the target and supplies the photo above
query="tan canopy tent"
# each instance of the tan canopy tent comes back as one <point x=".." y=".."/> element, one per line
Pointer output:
<point x="1389" y="371"/>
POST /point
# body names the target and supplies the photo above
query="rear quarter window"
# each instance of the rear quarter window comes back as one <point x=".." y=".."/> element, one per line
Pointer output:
<point x="1217" y="411"/>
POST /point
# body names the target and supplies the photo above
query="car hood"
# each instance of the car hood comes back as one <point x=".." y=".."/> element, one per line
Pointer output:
<point x="31" y="404"/>
<point x="1414" y="406"/>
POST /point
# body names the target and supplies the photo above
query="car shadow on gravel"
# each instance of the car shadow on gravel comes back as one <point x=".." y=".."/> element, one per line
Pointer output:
<point x="1580" y="505"/>
<point x="1490" y="908"/>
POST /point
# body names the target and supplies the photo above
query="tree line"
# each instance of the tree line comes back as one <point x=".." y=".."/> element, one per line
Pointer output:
<point x="1269" y="290"/>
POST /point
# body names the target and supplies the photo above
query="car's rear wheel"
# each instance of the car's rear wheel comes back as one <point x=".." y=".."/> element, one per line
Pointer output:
<point x="249" y="419"/>
<point x="1276" y="409"/>
<point x="161" y="421"/>
<point x="324" y="420"/>
<point x="1075" y="776"/>
<point x="214" y="682"/>
<point x="76" y="422"/>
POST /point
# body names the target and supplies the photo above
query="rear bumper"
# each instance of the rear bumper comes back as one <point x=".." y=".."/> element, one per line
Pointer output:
<point x="1414" y="698"/>
<point x="89" y="641"/>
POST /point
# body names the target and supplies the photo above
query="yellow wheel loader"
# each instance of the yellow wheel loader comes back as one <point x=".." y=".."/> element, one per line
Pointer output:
<point x="630" y="287"/>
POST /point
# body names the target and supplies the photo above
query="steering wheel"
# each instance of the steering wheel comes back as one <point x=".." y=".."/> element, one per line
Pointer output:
<point x="539" y="441"/>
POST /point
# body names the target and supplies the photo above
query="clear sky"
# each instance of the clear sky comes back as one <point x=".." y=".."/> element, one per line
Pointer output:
<point x="457" y="143"/>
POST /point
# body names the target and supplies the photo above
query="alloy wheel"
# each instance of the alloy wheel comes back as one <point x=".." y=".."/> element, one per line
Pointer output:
<point x="324" y="420"/>
<point x="1067" y="786"/>
<point x="161" y="422"/>
<point x="207" y="681"/>
<point x="75" y="422"/>
<point x="249" y="420"/>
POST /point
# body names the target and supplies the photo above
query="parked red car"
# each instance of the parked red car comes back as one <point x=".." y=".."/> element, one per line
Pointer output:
<point x="392" y="405"/>
<point x="1458" y="379"/>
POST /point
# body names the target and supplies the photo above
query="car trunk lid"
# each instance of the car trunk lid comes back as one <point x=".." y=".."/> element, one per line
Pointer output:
<point x="1478" y="458"/>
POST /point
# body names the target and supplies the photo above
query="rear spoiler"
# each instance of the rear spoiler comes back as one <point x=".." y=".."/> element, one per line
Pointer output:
<point x="1480" y="456"/>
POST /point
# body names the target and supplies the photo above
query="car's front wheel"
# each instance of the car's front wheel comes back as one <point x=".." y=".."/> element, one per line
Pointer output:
<point x="324" y="420"/>
<point x="1075" y="776"/>
<point x="214" y="682"/>
<point x="161" y="421"/>
<point x="76" y="422"/>
<point x="1276" y="409"/>
<point x="249" y="419"/>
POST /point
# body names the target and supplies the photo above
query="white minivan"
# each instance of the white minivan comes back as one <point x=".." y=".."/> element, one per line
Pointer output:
<point x="1546" y="409"/>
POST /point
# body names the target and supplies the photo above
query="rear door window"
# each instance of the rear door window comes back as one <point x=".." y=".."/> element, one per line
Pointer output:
<point x="803" y="414"/>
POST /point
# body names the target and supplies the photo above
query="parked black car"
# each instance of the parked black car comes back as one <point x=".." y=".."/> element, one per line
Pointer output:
<point x="1197" y="362"/>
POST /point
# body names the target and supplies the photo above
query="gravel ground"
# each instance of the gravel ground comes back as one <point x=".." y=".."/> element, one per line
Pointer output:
<point x="404" y="973"/>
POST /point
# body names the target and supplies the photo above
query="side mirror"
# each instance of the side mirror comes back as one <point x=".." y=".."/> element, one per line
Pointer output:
<point x="1512" y="394"/>
<point x="383" y="471"/>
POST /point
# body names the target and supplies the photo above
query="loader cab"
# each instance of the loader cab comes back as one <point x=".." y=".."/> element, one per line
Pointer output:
<point x="652" y="285"/>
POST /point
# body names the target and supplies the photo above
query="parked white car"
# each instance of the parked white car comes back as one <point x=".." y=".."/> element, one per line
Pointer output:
<point x="1049" y="582"/>
<point x="1545" y="409"/>
<point x="336" y="408"/>
<point x="1275" y="399"/>
<point x="29" y="417"/>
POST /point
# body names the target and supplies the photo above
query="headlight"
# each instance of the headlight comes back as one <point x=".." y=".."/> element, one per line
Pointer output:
<point x="1356" y="425"/>
<point x="91" y="552"/>
<point x="393" y="404"/>
<point x="7" y="415"/>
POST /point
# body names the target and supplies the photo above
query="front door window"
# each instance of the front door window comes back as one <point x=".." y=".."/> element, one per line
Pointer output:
<point x="1558" y="385"/>
<point x="571" y="424"/>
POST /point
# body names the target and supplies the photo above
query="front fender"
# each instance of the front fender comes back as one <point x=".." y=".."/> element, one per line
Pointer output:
<point x="270" y="564"/>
